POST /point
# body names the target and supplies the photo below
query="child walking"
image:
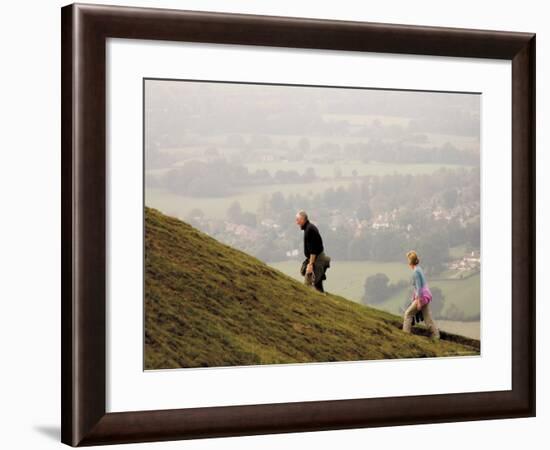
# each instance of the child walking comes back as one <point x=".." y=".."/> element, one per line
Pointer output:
<point x="421" y="298"/>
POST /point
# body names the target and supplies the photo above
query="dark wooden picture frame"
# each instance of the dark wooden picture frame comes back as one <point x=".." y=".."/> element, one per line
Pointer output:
<point x="85" y="28"/>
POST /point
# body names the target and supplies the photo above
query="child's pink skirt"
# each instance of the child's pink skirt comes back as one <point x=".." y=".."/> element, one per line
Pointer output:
<point x="425" y="295"/>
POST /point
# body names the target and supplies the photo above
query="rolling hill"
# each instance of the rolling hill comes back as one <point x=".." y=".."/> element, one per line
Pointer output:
<point x="207" y="304"/>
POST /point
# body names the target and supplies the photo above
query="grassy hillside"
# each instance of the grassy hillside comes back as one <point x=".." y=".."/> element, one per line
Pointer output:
<point x="207" y="304"/>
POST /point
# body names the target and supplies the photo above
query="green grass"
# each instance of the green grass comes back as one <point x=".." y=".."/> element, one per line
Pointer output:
<point x="207" y="304"/>
<point x="216" y="207"/>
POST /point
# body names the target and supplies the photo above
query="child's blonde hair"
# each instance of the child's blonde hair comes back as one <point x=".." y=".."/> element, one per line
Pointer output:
<point x="413" y="258"/>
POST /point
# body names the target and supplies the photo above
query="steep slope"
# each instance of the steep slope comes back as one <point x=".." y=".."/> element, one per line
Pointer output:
<point x="207" y="304"/>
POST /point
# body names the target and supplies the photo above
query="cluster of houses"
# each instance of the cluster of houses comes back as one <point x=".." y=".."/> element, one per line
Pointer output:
<point x="340" y="221"/>
<point x="468" y="263"/>
<point x="463" y="213"/>
<point x="242" y="231"/>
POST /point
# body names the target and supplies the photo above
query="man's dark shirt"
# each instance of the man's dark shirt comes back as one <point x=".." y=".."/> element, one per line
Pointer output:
<point x="313" y="244"/>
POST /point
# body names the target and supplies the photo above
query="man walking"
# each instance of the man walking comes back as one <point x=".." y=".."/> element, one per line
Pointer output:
<point x="316" y="262"/>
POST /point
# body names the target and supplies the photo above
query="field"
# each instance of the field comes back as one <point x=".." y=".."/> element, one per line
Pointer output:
<point x="216" y="207"/>
<point x="431" y="138"/>
<point x="362" y="168"/>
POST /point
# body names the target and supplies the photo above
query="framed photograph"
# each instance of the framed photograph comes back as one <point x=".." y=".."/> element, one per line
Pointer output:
<point x="275" y="224"/>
